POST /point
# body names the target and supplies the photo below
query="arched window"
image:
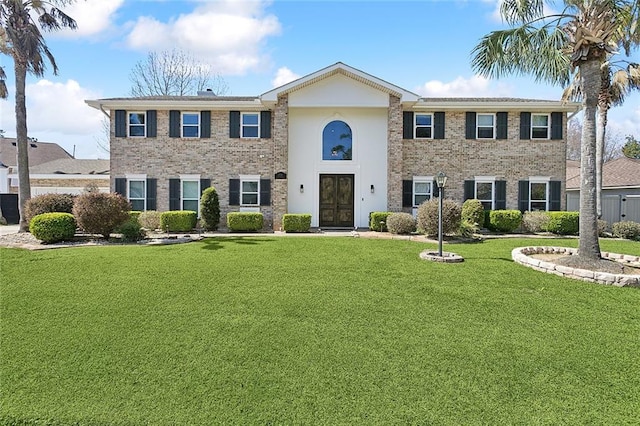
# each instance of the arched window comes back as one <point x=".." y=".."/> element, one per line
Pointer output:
<point x="337" y="141"/>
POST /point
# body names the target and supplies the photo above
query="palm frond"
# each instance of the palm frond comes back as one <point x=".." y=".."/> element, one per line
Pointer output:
<point x="521" y="11"/>
<point x="3" y="85"/>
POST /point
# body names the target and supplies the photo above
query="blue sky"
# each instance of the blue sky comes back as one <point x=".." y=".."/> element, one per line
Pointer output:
<point x="422" y="46"/>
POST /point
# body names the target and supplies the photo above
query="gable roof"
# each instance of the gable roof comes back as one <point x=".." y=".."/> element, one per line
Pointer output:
<point x="72" y="166"/>
<point x="39" y="152"/>
<point x="621" y="172"/>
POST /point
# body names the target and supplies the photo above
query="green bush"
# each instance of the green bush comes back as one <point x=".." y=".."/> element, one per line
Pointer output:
<point x="149" y="219"/>
<point x="603" y="228"/>
<point x="401" y="223"/>
<point x="378" y="221"/>
<point x="210" y="209"/>
<point x="626" y="229"/>
<point x="428" y="217"/>
<point x="473" y="212"/>
<point x="467" y="229"/>
<point x="504" y="220"/>
<point x="178" y="220"/>
<point x="535" y="221"/>
<point x="53" y="227"/>
<point x="244" y="221"/>
<point x="49" y="203"/>
<point x="131" y="231"/>
<point x="296" y="222"/>
<point x="563" y="223"/>
<point x="100" y="212"/>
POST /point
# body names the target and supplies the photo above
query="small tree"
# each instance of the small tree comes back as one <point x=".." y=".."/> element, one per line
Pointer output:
<point x="101" y="213"/>
<point x="631" y="149"/>
<point x="210" y="209"/>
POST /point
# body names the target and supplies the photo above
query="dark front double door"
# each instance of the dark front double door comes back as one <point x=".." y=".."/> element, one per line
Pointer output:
<point x="336" y="201"/>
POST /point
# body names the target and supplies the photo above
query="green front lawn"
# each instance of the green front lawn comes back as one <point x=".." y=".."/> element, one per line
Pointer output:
<point x="311" y="330"/>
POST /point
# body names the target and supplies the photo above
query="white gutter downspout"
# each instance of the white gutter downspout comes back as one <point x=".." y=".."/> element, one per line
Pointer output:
<point x="104" y="112"/>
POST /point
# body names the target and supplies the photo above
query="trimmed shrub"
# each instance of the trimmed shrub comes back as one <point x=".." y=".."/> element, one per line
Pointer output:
<point x="178" y="220"/>
<point x="473" y="212"/>
<point x="626" y="229"/>
<point x="428" y="217"/>
<point x="467" y="229"/>
<point x="53" y="227"/>
<point x="131" y="231"/>
<point x="149" y="219"/>
<point x="603" y="228"/>
<point x="401" y="223"/>
<point x="100" y="212"/>
<point x="296" y="222"/>
<point x="563" y="223"/>
<point x="49" y="203"/>
<point x="244" y="221"/>
<point x="378" y="221"/>
<point x="535" y="221"/>
<point x="210" y="209"/>
<point x="504" y="220"/>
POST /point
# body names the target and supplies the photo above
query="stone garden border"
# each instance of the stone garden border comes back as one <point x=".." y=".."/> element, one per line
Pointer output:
<point x="521" y="255"/>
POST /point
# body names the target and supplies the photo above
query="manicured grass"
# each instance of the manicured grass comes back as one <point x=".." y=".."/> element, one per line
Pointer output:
<point x="311" y="330"/>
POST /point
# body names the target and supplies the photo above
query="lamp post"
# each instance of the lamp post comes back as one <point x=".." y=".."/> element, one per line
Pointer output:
<point x="441" y="181"/>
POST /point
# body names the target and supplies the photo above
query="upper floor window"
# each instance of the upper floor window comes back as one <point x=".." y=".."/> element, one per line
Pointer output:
<point x="337" y="141"/>
<point x="540" y="126"/>
<point x="250" y="125"/>
<point x="423" y="126"/>
<point x="485" y="127"/>
<point x="137" y="124"/>
<point x="190" y="125"/>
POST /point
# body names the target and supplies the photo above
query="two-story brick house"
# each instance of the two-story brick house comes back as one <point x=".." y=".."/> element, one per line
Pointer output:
<point x="339" y="144"/>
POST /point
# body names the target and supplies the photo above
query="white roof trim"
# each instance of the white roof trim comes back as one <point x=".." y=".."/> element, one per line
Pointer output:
<point x="493" y="106"/>
<point x="340" y="68"/>
<point x="184" y="105"/>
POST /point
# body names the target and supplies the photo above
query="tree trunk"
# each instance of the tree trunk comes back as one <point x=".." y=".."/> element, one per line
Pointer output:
<point x="590" y="78"/>
<point x="600" y="136"/>
<point x="22" y="143"/>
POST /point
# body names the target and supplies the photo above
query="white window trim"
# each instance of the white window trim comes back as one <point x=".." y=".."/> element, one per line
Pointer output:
<point x="486" y="179"/>
<point x="415" y="125"/>
<point x="548" y="127"/>
<point x="249" y="178"/>
<point x="182" y="125"/>
<point x="137" y="178"/>
<point x="540" y="179"/>
<point x="189" y="178"/>
<point x="421" y="179"/>
<point x="242" y="114"/>
<point x="144" y="126"/>
<point x="478" y="125"/>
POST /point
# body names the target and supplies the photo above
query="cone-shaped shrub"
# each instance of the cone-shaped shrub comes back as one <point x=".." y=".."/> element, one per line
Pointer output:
<point x="210" y="209"/>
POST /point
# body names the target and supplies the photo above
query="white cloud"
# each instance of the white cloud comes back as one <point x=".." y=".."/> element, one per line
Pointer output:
<point x="283" y="76"/>
<point x="227" y="34"/>
<point x="92" y="16"/>
<point x="56" y="112"/>
<point x="475" y="86"/>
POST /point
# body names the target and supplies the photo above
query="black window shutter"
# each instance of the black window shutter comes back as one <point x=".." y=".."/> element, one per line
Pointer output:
<point x="152" y="193"/>
<point x="407" y="193"/>
<point x="265" y="124"/>
<point x="234" y="126"/>
<point x="438" y="125"/>
<point x="205" y="124"/>
<point x="470" y="125"/>
<point x="525" y="125"/>
<point x="501" y="195"/>
<point x="407" y="125"/>
<point x="469" y="189"/>
<point x="265" y="192"/>
<point x="554" y="195"/>
<point x="121" y="123"/>
<point x="204" y="184"/>
<point x="152" y="123"/>
<point x="121" y="187"/>
<point x="435" y="191"/>
<point x="502" y="124"/>
<point x="234" y="192"/>
<point x="174" y="194"/>
<point x="174" y="123"/>
<point x="523" y="195"/>
<point x="556" y="125"/>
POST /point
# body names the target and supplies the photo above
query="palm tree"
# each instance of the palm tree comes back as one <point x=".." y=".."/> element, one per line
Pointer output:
<point x="20" y="38"/>
<point x="550" y="47"/>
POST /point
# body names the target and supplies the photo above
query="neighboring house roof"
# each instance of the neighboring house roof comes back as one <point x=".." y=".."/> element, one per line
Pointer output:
<point x="39" y="152"/>
<point x="621" y="172"/>
<point x="72" y="166"/>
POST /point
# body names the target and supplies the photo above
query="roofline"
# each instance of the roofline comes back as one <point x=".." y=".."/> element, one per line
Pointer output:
<point x="577" y="188"/>
<point x="465" y="104"/>
<point x="63" y="176"/>
<point x="196" y="104"/>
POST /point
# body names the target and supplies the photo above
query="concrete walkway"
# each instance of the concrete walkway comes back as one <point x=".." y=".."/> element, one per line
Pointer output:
<point x="9" y="229"/>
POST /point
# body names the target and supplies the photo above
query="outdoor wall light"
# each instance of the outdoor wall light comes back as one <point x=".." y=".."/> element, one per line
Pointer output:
<point x="301" y="188"/>
<point x="373" y="189"/>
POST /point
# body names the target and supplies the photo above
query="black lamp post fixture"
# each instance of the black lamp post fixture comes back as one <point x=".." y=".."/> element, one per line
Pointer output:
<point x="441" y="181"/>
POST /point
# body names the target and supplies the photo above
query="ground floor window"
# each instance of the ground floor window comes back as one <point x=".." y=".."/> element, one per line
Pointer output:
<point x="422" y="189"/>
<point x="190" y="194"/>
<point x="538" y="196"/>
<point x="485" y="193"/>
<point x="137" y="193"/>
<point x="250" y="190"/>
